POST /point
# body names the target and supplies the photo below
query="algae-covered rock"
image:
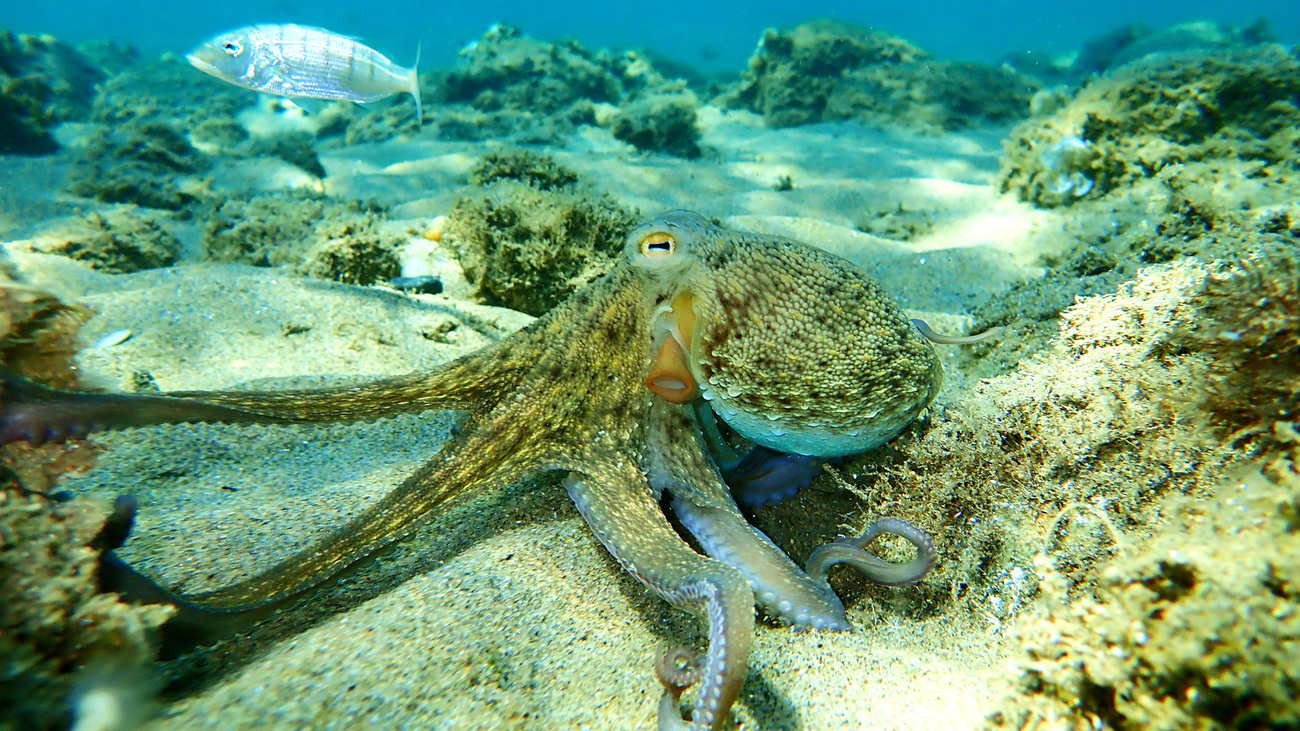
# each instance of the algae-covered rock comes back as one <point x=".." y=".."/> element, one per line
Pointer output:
<point x="145" y="163"/>
<point x="42" y="82"/>
<point x="507" y="69"/>
<point x="1239" y="109"/>
<point x="352" y="252"/>
<point x="1195" y="627"/>
<point x="120" y="241"/>
<point x="295" y="148"/>
<point x="660" y="122"/>
<point x="312" y="234"/>
<point x="1252" y="331"/>
<point x="55" y="622"/>
<point x="528" y="248"/>
<point x="828" y="70"/>
<point x="509" y="86"/>
<point x="524" y="166"/>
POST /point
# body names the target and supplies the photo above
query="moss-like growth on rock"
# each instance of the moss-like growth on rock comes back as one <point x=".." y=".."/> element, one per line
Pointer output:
<point x="528" y="248"/>
<point x="510" y="86"/>
<point x="828" y="70"/>
<point x="660" y="122"/>
<point x="524" y="166"/>
<point x="352" y="252"/>
<point x="507" y="69"/>
<point x="311" y="234"/>
<point x="55" y="621"/>
<point x="120" y="241"/>
<point x="145" y="163"/>
<point x="1239" y="111"/>
<point x="1196" y="627"/>
<point x="1252" y="331"/>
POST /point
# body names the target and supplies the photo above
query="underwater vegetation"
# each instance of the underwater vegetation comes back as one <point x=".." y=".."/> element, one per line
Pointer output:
<point x="1197" y="626"/>
<point x="311" y="234"/>
<point x="511" y="87"/>
<point x="529" y="233"/>
<point x="1238" y="110"/>
<point x="829" y="70"/>
<point x="119" y="241"/>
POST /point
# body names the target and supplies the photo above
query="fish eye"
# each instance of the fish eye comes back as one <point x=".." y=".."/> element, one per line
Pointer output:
<point x="232" y="48"/>
<point x="658" y="246"/>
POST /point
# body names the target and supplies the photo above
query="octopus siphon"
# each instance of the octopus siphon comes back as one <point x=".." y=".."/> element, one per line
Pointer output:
<point x="627" y="387"/>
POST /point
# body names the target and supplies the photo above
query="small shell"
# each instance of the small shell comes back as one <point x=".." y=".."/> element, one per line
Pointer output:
<point x="434" y="231"/>
<point x="114" y="338"/>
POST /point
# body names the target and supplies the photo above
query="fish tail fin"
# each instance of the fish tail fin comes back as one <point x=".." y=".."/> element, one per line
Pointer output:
<point x="415" y="84"/>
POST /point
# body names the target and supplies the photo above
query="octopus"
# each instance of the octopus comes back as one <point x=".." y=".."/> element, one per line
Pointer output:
<point x="644" y="388"/>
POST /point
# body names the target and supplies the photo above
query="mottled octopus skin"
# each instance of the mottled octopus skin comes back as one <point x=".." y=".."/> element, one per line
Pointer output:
<point x="794" y="348"/>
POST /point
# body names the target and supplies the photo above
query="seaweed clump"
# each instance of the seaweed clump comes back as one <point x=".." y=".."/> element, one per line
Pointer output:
<point x="313" y="235"/>
<point x="146" y="163"/>
<point x="663" y="121"/>
<point x="1234" y="114"/>
<point x="828" y="70"/>
<point x="527" y="241"/>
<point x="120" y="241"/>
<point x="42" y="82"/>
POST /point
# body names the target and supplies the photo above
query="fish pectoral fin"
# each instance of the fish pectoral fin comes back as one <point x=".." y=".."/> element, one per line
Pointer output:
<point x="310" y="105"/>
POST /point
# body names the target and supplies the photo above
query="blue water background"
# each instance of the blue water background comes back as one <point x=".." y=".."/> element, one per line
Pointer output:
<point x="714" y="35"/>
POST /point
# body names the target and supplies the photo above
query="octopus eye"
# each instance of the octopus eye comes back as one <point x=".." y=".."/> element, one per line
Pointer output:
<point x="658" y="246"/>
<point x="232" y="48"/>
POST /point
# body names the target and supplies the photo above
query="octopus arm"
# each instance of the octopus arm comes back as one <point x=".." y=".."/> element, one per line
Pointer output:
<point x="681" y="465"/>
<point x="35" y="413"/>
<point x="616" y="501"/>
<point x="494" y="449"/>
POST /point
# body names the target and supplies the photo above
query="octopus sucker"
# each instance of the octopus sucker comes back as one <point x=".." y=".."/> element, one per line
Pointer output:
<point x="795" y="350"/>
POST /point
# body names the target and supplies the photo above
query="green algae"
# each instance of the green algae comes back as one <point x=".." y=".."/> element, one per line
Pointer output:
<point x="526" y="246"/>
<point x="663" y="121"/>
<point x="525" y="166"/>
<point x="56" y="622"/>
<point x="1197" y="626"/>
<point x="43" y="82"/>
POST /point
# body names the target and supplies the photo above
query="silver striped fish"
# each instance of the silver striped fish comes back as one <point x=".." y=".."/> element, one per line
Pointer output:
<point x="301" y="62"/>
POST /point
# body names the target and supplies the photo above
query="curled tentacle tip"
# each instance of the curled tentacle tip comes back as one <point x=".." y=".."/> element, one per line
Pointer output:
<point x="677" y="669"/>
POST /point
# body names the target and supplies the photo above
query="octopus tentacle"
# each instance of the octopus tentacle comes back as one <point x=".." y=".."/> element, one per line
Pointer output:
<point x="487" y="454"/>
<point x="36" y="413"/>
<point x="678" y="463"/>
<point x="767" y="476"/>
<point x="779" y="586"/>
<point x="677" y="668"/>
<point x="941" y="339"/>
<point x="849" y="550"/>
<point x="617" y="503"/>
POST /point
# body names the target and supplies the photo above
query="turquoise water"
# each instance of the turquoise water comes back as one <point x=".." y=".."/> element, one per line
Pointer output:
<point x="717" y="35"/>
